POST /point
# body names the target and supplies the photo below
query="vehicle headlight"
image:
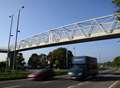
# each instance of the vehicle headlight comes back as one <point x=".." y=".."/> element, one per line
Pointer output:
<point x="79" y="74"/>
<point x="70" y="73"/>
<point x="31" y="75"/>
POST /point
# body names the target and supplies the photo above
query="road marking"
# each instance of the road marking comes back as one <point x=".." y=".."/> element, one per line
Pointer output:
<point x="73" y="86"/>
<point x="12" y="81"/>
<point x="82" y="83"/>
<point x="111" y="86"/>
<point x="47" y="82"/>
<point x="77" y="85"/>
<point x="16" y="86"/>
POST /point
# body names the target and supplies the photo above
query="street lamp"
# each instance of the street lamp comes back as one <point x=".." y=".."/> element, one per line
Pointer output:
<point x="18" y="20"/>
<point x="10" y="35"/>
<point x="67" y="62"/>
<point x="74" y="51"/>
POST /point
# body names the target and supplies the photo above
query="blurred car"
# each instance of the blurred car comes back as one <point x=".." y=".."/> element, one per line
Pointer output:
<point x="42" y="74"/>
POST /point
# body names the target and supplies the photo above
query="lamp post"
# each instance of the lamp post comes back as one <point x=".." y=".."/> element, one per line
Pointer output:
<point x="9" y="39"/>
<point x="17" y="30"/>
<point x="74" y="51"/>
<point x="67" y="62"/>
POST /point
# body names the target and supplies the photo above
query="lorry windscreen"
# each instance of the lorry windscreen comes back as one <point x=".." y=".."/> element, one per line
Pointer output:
<point x="78" y="67"/>
<point x="79" y="61"/>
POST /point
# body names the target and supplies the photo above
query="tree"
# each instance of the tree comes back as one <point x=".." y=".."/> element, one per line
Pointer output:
<point x="50" y="59"/>
<point x="56" y="63"/>
<point x="2" y="66"/>
<point x="117" y="3"/>
<point x="34" y="61"/>
<point x="108" y="64"/>
<point x="43" y="60"/>
<point x="20" y="62"/>
<point x="116" y="61"/>
<point x="60" y="57"/>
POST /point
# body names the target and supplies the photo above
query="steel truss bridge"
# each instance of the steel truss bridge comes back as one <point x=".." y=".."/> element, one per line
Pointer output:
<point x="3" y="50"/>
<point x="100" y="28"/>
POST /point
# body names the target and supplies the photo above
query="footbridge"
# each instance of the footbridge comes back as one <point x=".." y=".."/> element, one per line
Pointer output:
<point x="3" y="50"/>
<point x="100" y="28"/>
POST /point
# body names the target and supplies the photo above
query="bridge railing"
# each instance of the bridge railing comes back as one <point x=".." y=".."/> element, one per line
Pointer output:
<point x="90" y="28"/>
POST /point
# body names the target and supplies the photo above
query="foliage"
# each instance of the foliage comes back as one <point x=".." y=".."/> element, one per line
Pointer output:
<point x="2" y="66"/>
<point x="56" y="63"/>
<point x="109" y="63"/>
<point x="43" y="59"/>
<point x="58" y="58"/>
<point x="20" y="62"/>
<point x="116" y="2"/>
<point x="58" y="72"/>
<point x="37" y="61"/>
<point x="34" y="61"/>
<point x="116" y="61"/>
<point x="13" y="76"/>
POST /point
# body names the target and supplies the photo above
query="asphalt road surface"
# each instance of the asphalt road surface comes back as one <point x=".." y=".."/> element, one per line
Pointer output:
<point x="101" y="81"/>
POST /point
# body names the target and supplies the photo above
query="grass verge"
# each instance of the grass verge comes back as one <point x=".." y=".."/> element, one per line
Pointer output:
<point x="59" y="72"/>
<point x="23" y="75"/>
<point x="13" y="76"/>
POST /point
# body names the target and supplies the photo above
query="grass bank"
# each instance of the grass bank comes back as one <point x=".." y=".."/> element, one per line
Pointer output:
<point x="23" y="75"/>
<point x="59" y="72"/>
<point x="13" y="75"/>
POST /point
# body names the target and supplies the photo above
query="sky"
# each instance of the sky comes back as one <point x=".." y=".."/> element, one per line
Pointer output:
<point x="40" y="16"/>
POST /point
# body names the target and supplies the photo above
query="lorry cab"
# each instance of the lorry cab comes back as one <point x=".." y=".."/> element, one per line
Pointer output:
<point x="82" y="67"/>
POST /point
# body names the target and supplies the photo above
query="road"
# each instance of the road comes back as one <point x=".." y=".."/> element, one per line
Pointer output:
<point x="101" y="81"/>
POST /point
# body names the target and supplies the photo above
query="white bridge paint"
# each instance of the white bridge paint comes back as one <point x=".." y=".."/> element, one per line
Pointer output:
<point x="96" y="27"/>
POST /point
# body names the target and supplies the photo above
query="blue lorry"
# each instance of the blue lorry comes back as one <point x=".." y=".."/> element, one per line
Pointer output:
<point x="83" y="67"/>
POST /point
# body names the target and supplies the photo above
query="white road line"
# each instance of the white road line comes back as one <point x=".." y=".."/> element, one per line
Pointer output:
<point x="9" y="81"/>
<point x="111" y="86"/>
<point x="76" y="85"/>
<point x="73" y="86"/>
<point x="15" y="86"/>
<point x="82" y="83"/>
<point x="47" y="82"/>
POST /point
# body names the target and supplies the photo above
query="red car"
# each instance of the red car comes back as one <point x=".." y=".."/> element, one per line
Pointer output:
<point x="41" y="74"/>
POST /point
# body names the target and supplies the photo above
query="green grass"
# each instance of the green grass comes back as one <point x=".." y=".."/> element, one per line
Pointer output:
<point x="13" y="75"/>
<point x="22" y="75"/>
<point x="58" y="72"/>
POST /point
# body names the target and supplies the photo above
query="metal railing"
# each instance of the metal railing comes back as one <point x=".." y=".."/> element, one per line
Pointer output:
<point x="105" y="25"/>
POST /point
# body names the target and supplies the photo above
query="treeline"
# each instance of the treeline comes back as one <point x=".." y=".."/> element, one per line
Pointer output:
<point x="114" y="63"/>
<point x="19" y="63"/>
<point x="59" y="58"/>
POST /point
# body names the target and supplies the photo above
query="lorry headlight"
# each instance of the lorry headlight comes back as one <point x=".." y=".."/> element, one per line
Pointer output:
<point x="79" y="74"/>
<point x="70" y="73"/>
